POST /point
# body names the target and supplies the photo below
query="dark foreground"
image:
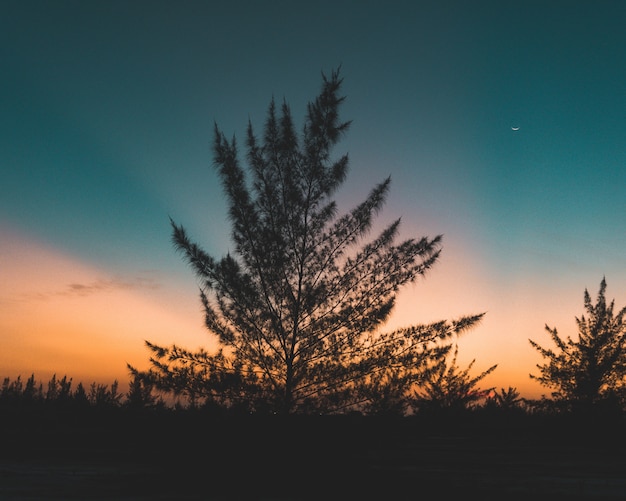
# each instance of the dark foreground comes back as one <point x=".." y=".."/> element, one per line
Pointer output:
<point x="145" y="456"/>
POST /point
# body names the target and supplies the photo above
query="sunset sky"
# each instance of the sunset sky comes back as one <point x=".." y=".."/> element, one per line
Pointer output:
<point x="106" y="119"/>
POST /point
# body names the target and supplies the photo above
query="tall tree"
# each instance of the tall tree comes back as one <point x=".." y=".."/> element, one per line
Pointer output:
<point x="592" y="368"/>
<point x="297" y="308"/>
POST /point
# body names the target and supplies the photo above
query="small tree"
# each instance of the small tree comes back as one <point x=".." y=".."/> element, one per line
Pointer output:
<point x="16" y="391"/>
<point x="448" y="387"/>
<point x="31" y="392"/>
<point x="12" y="390"/>
<point x="101" y="396"/>
<point x="507" y="399"/>
<point x="297" y="307"/>
<point x="80" y="395"/>
<point x="591" y="369"/>
<point x="140" y="395"/>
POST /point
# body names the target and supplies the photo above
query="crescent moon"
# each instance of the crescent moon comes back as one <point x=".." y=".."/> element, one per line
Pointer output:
<point x="514" y="128"/>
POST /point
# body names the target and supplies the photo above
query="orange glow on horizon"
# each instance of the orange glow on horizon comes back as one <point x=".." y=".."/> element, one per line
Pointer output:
<point x="60" y="315"/>
<point x="459" y="285"/>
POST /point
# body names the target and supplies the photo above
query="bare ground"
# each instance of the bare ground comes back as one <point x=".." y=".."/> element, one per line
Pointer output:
<point x="232" y="459"/>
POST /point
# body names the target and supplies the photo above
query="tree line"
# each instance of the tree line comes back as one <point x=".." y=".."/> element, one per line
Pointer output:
<point x="61" y="392"/>
<point x="585" y="373"/>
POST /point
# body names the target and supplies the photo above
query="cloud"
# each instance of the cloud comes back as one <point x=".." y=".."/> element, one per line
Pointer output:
<point x="85" y="289"/>
<point x="33" y="272"/>
<point x="108" y="285"/>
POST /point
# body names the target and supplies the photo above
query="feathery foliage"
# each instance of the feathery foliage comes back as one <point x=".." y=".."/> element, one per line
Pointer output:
<point x="448" y="387"/>
<point x="505" y="399"/>
<point x="297" y="307"/>
<point x="592" y="368"/>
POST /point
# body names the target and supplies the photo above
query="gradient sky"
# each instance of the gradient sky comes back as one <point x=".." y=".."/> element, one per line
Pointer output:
<point x="106" y="117"/>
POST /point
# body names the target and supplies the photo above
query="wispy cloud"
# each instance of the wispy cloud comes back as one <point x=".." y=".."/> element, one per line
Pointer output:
<point x="87" y="288"/>
<point x="108" y="285"/>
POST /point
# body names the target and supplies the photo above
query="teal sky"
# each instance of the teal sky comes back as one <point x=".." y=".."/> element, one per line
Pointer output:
<point x="107" y="109"/>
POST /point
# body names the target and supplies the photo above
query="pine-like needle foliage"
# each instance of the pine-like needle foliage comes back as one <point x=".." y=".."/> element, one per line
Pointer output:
<point x="592" y="368"/>
<point x="297" y="307"/>
<point x="448" y="387"/>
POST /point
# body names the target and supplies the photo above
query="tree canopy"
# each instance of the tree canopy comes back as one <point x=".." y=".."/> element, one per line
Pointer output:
<point x="298" y="306"/>
<point x="448" y="387"/>
<point x="591" y="368"/>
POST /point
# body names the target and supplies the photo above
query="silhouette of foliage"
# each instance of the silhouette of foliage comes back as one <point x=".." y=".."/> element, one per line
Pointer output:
<point x="297" y="307"/>
<point x="140" y="395"/>
<point x="102" y="395"/>
<point x="58" y="393"/>
<point x="80" y="395"/>
<point x="59" y="390"/>
<point x="15" y="391"/>
<point x="448" y="387"/>
<point x="591" y="369"/>
<point x="509" y="399"/>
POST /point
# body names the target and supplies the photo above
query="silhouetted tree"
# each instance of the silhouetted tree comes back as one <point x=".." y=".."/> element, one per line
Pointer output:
<point x="102" y="396"/>
<point x="140" y="394"/>
<point x="16" y="390"/>
<point x="59" y="390"/>
<point x="448" y="387"/>
<point x="53" y="389"/>
<point x="506" y="399"/>
<point x="80" y="395"/>
<point x="591" y="369"/>
<point x="31" y="391"/>
<point x="297" y="307"/>
<point x="11" y="389"/>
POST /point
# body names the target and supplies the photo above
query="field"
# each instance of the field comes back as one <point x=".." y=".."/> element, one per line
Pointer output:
<point x="143" y="456"/>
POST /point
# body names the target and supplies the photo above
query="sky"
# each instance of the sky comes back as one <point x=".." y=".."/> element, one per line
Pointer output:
<point x="107" y="111"/>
